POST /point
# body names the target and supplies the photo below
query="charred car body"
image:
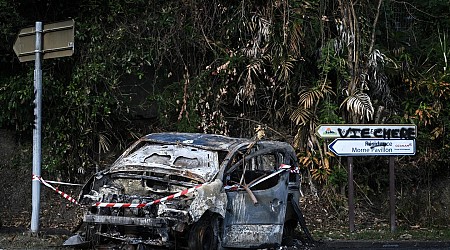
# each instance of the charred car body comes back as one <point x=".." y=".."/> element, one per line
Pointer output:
<point x="195" y="191"/>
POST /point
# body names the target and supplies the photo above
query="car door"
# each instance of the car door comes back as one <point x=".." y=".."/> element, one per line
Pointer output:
<point x="257" y="191"/>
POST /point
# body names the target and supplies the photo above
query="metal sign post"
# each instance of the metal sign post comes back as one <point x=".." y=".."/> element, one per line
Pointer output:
<point x="38" y="43"/>
<point x="351" y="195"/>
<point x="392" y="192"/>
<point x="36" y="186"/>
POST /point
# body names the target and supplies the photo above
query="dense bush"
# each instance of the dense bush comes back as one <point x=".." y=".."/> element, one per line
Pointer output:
<point x="228" y="66"/>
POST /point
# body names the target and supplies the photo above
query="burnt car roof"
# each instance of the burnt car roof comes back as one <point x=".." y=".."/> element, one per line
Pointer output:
<point x="209" y="141"/>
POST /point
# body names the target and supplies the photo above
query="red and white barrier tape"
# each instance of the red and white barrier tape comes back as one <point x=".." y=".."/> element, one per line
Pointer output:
<point x="282" y="168"/>
<point x="64" y="183"/>
<point x="295" y="170"/>
<point x="140" y="205"/>
<point x="68" y="197"/>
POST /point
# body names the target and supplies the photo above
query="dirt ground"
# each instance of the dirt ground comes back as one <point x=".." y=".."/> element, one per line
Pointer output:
<point x="58" y="218"/>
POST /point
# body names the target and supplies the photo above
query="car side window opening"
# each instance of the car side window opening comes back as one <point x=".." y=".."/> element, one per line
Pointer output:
<point x="247" y="168"/>
<point x="293" y="175"/>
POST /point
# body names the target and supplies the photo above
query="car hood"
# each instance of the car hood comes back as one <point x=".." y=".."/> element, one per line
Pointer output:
<point x="183" y="160"/>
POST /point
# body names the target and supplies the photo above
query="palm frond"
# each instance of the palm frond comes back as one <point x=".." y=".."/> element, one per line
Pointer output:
<point x="296" y="38"/>
<point x="360" y="105"/>
<point x="285" y="68"/>
<point x="104" y="142"/>
<point x="248" y="87"/>
<point x="314" y="95"/>
<point x="254" y="67"/>
<point x="301" y="116"/>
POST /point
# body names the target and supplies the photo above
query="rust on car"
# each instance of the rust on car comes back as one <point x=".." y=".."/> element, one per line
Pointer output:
<point x="194" y="191"/>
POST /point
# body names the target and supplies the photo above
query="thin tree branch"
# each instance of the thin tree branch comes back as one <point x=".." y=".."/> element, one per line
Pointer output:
<point x="372" y="42"/>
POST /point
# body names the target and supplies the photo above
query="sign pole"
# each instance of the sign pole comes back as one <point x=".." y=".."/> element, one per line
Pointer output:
<point x="36" y="188"/>
<point x="41" y="42"/>
<point x="351" y="193"/>
<point x="392" y="192"/>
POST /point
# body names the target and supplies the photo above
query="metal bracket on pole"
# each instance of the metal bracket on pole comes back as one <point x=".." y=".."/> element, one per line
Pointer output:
<point x="36" y="188"/>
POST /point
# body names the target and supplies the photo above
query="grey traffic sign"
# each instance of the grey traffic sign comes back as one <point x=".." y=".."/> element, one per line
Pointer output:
<point x="372" y="147"/>
<point x="58" y="41"/>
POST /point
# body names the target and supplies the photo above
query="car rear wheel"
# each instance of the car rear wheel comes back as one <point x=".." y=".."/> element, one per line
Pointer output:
<point x="204" y="234"/>
<point x="289" y="232"/>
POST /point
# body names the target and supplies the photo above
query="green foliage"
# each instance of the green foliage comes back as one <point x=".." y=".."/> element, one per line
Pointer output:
<point x="329" y="113"/>
<point x="16" y="100"/>
<point x="207" y="66"/>
<point x="338" y="176"/>
<point x="10" y="20"/>
<point x="331" y="62"/>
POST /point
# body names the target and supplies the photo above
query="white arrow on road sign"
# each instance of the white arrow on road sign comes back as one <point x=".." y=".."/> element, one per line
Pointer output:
<point x="371" y="147"/>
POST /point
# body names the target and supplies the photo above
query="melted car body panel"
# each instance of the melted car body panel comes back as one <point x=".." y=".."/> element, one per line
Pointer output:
<point x="248" y="224"/>
<point x="209" y="197"/>
<point x="252" y="236"/>
<point x="171" y="157"/>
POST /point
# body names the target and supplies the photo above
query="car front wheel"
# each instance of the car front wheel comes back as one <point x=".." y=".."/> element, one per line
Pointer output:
<point x="204" y="234"/>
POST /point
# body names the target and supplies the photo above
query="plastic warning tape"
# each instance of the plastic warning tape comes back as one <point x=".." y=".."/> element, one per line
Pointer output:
<point x="68" y="197"/>
<point x="64" y="183"/>
<point x="141" y="205"/>
<point x="282" y="168"/>
<point x="295" y="170"/>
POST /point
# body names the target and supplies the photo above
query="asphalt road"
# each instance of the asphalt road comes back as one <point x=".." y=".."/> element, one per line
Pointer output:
<point x="382" y="245"/>
<point x="18" y="238"/>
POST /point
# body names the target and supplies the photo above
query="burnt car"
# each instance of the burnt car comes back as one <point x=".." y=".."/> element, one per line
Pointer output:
<point x="194" y="191"/>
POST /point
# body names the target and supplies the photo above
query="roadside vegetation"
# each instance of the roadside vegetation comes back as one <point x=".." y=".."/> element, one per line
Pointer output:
<point x="228" y="67"/>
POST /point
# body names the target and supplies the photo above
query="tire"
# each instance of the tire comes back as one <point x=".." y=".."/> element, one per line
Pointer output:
<point x="302" y="222"/>
<point x="289" y="232"/>
<point x="205" y="233"/>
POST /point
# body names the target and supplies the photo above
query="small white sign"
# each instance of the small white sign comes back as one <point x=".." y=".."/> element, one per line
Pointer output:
<point x="380" y="131"/>
<point x="372" y="147"/>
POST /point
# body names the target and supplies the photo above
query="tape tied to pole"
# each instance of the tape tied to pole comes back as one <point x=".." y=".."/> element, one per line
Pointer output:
<point x="45" y="183"/>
